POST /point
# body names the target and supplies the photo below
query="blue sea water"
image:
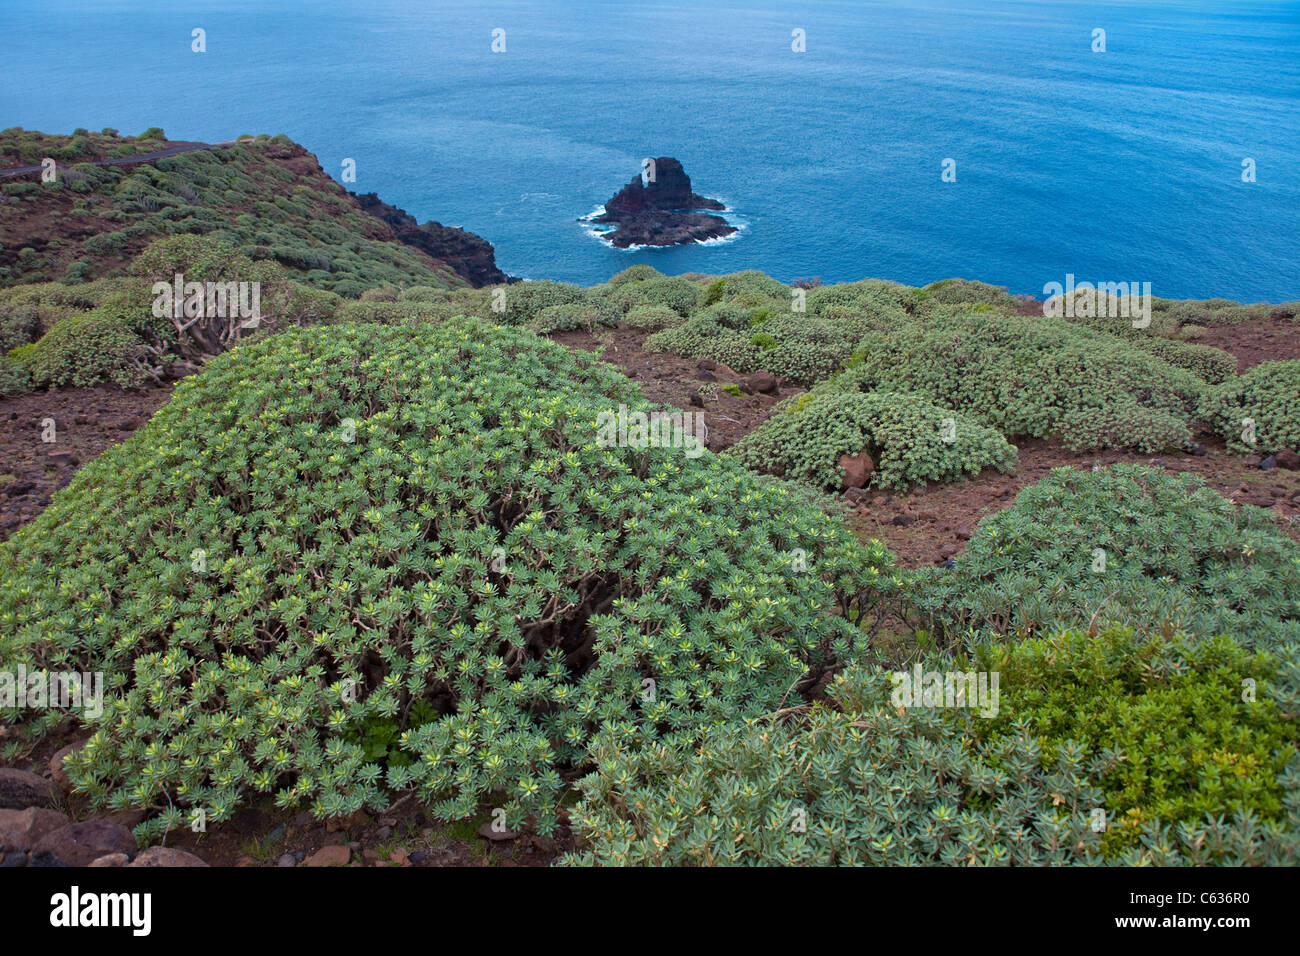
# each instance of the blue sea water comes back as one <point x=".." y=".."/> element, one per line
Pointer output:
<point x="1117" y="166"/>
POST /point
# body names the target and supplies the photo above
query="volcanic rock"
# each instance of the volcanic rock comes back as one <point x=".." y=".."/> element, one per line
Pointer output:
<point x="470" y="255"/>
<point x="857" y="469"/>
<point x="658" y="208"/>
<point x="79" y="844"/>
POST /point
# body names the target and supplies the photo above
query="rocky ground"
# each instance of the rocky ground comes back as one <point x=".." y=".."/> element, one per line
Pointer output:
<point x="41" y="824"/>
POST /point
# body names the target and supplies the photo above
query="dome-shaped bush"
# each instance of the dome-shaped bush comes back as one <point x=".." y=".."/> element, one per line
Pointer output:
<point x="355" y="546"/>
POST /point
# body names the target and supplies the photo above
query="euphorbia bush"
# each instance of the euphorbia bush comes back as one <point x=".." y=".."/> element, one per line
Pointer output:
<point x="1258" y="411"/>
<point x="1156" y="551"/>
<point x="1032" y="377"/>
<point x="909" y="439"/>
<point x="331" y="529"/>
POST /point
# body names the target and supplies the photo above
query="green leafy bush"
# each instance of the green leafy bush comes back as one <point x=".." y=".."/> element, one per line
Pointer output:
<point x="904" y="434"/>
<point x="1137" y="546"/>
<point x="1269" y="396"/>
<point x="19" y="324"/>
<point x="965" y="291"/>
<point x="637" y="273"/>
<point x="1191" y="746"/>
<point x="589" y="314"/>
<point x="680" y="295"/>
<point x="859" y="780"/>
<point x="328" y="527"/>
<point x="89" y="348"/>
<point x="1032" y="377"/>
<point x="14" y="377"/>
<point x="650" y="318"/>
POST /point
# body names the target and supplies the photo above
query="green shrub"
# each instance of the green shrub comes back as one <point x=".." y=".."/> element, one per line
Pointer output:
<point x="1033" y="377"/>
<point x="86" y="349"/>
<point x="19" y="324"/>
<point x="904" y="435"/>
<point x="1192" y="746"/>
<point x="680" y="295"/>
<point x="964" y="291"/>
<point x="328" y="527"/>
<point x="637" y="273"/>
<point x="524" y="300"/>
<point x="1269" y="396"/>
<point x="650" y="318"/>
<point x="1131" y="545"/>
<point x="1206" y="362"/>
<point x="14" y="378"/>
<point x="588" y="314"/>
<point x="863" y="781"/>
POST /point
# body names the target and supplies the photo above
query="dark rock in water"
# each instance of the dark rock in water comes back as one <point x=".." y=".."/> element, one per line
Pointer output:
<point x="470" y="255"/>
<point x="661" y="211"/>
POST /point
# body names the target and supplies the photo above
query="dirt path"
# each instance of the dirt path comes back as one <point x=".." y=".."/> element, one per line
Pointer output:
<point x="175" y="150"/>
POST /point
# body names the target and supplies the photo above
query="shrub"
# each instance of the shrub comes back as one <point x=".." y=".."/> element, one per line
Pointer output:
<point x="588" y="315"/>
<point x="14" y="378"/>
<point x="1192" y="747"/>
<point x="650" y="318"/>
<point x="1269" y="396"/>
<point x="1030" y="376"/>
<point x="637" y="273"/>
<point x="83" y="350"/>
<point x="1122" y="424"/>
<point x="903" y="434"/>
<point x="964" y="291"/>
<point x="335" y="526"/>
<point x="524" y="300"/>
<point x="1131" y="545"/>
<point x="859" y="780"/>
<point x="19" y="324"/>
<point x="680" y="295"/>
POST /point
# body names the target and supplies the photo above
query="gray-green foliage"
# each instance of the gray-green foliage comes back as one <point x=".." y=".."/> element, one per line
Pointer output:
<point x="860" y="780"/>
<point x="1127" y="544"/>
<point x="332" y="529"/>
<point x="1028" y="376"/>
<point x="909" y="439"/>
<point x="1263" y="404"/>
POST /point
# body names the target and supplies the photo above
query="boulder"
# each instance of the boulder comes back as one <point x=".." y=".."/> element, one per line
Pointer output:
<point x="20" y="830"/>
<point x="857" y="469"/>
<point x="166" y="856"/>
<point x="329" y="856"/>
<point x="111" y="859"/>
<point x="80" y="844"/>
<point x="1288" y="459"/>
<point x="57" y="771"/>
<point x="487" y="832"/>
<point x="20" y="789"/>
<point x="764" y="382"/>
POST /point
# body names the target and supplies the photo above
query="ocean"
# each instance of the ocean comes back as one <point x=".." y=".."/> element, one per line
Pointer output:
<point x="1122" y="165"/>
